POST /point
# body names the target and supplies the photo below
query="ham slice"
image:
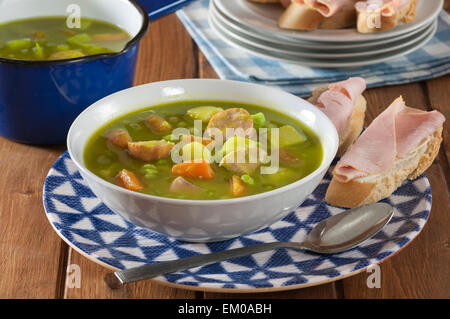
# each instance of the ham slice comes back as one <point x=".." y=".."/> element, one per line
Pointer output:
<point x="235" y="118"/>
<point x="338" y="101"/>
<point x="352" y="87"/>
<point x="393" y="134"/>
<point x="385" y="7"/>
<point x="180" y="185"/>
<point x="412" y="126"/>
<point x="326" y="7"/>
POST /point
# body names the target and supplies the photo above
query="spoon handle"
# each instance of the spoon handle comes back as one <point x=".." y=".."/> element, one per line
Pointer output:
<point x="117" y="279"/>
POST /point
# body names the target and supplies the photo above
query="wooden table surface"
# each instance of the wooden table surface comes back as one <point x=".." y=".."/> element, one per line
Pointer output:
<point x="33" y="259"/>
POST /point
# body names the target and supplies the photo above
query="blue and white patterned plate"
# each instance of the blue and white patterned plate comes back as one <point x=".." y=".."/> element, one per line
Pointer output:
<point x="87" y="225"/>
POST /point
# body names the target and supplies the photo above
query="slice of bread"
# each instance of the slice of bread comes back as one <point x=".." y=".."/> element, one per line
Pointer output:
<point x="302" y="17"/>
<point x="367" y="21"/>
<point x="373" y="188"/>
<point x="355" y="122"/>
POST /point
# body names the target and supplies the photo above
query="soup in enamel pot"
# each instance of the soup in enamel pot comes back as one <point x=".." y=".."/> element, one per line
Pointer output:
<point x="203" y="150"/>
<point x="50" y="38"/>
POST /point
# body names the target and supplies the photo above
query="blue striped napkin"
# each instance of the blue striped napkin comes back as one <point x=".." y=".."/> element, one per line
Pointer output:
<point x="432" y="60"/>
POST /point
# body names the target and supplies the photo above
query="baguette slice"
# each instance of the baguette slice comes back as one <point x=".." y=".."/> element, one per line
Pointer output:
<point x="373" y="188"/>
<point x="355" y="122"/>
<point x="299" y="16"/>
<point x="401" y="143"/>
<point x="373" y="21"/>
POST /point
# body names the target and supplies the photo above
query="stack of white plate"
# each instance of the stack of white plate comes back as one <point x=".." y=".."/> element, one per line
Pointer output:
<point x="253" y="27"/>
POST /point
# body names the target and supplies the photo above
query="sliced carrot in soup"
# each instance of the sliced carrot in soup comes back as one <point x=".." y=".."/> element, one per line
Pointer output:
<point x="194" y="169"/>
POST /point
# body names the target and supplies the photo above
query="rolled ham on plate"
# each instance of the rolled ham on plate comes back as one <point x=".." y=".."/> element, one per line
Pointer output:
<point x="381" y="15"/>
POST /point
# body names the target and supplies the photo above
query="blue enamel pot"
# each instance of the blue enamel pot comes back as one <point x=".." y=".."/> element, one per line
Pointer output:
<point x="40" y="99"/>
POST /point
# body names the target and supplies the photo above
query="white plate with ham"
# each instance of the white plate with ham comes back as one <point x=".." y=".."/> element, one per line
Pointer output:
<point x="330" y="62"/>
<point x="257" y="36"/>
<point x="304" y="52"/>
<point x="263" y="18"/>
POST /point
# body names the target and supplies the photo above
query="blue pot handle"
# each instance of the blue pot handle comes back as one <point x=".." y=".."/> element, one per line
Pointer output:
<point x="158" y="8"/>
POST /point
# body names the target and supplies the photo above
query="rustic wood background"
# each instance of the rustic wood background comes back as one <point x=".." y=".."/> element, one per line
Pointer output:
<point x="33" y="259"/>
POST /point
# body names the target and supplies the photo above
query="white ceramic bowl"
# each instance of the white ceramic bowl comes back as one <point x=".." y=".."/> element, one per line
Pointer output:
<point x="197" y="220"/>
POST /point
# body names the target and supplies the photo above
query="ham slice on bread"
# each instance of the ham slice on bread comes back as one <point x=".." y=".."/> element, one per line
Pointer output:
<point x="401" y="143"/>
<point x="381" y="15"/>
<point x="345" y="106"/>
<point x="314" y="14"/>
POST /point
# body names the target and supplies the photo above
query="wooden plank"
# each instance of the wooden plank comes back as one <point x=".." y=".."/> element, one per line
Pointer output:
<point x="421" y="269"/>
<point x="93" y="286"/>
<point x="326" y="291"/>
<point x="165" y="53"/>
<point x="205" y="70"/>
<point x="29" y="248"/>
<point x="439" y="96"/>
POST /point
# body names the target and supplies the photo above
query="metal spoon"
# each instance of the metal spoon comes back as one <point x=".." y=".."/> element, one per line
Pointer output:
<point x="335" y="234"/>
